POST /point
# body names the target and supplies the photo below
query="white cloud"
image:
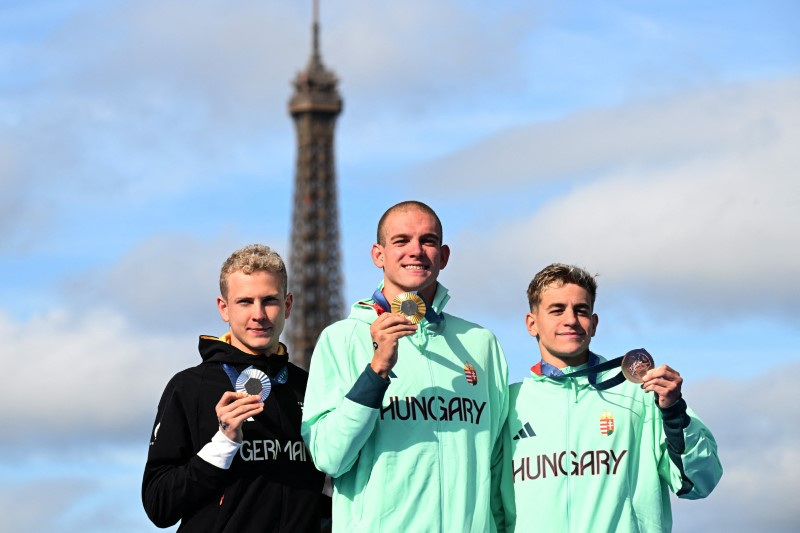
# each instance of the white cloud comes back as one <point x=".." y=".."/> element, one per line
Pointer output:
<point x="85" y="377"/>
<point x="716" y="124"/>
<point x="94" y="365"/>
<point x="167" y="282"/>
<point x="699" y="215"/>
<point x="757" y="426"/>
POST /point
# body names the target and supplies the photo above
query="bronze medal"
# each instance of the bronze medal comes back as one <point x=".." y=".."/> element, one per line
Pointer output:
<point x="410" y="305"/>
<point x="635" y="365"/>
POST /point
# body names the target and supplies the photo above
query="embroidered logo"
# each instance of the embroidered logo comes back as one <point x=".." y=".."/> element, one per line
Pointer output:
<point x="470" y="374"/>
<point x="525" y="432"/>
<point x="606" y="423"/>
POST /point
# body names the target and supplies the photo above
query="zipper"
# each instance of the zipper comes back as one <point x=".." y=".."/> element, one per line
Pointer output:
<point x="572" y="387"/>
<point x="422" y="336"/>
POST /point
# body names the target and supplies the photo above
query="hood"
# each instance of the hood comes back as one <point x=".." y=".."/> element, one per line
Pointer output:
<point x="366" y="310"/>
<point x="219" y="350"/>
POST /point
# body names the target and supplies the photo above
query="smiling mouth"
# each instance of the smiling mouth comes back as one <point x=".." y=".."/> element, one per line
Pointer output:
<point x="415" y="267"/>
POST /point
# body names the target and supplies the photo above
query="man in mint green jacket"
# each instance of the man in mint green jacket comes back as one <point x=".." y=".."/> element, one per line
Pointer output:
<point x="583" y="454"/>
<point x="404" y="410"/>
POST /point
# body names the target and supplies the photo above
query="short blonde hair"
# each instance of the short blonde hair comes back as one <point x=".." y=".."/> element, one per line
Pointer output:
<point x="560" y="274"/>
<point x="252" y="258"/>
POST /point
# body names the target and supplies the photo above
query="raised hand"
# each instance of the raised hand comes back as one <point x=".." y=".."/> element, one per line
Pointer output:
<point x="386" y="331"/>
<point x="233" y="409"/>
<point x="664" y="381"/>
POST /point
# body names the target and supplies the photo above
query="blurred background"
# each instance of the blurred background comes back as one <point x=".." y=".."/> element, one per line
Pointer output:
<point x="654" y="143"/>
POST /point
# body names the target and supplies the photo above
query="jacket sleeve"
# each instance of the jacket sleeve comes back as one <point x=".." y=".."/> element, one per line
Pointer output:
<point x="501" y="400"/>
<point x="176" y="480"/>
<point x="690" y="465"/>
<point x="341" y="404"/>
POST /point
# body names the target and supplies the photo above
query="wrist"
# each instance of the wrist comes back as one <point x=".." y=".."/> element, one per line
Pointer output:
<point x="382" y="368"/>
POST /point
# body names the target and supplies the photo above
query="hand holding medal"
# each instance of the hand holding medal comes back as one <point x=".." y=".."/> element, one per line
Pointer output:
<point x="664" y="381"/>
<point x="407" y="310"/>
<point x="233" y="409"/>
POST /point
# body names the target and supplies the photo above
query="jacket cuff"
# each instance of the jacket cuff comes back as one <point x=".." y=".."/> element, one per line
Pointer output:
<point x="675" y="415"/>
<point x="220" y="451"/>
<point x="369" y="388"/>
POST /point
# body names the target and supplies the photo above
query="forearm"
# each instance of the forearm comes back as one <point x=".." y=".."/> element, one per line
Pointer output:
<point x="335" y="435"/>
<point x="692" y="452"/>
<point x="170" y="492"/>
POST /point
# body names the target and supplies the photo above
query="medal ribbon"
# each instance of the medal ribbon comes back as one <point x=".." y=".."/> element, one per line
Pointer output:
<point x="233" y="375"/>
<point x="592" y="370"/>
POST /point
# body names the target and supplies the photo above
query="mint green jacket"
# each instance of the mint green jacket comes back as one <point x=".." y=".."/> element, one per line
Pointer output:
<point x="421" y="451"/>
<point x="580" y="460"/>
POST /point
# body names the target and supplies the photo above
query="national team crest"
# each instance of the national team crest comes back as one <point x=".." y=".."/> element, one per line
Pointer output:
<point x="470" y="374"/>
<point x="606" y="423"/>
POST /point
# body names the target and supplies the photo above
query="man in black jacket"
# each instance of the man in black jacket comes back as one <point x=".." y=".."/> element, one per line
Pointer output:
<point x="226" y="452"/>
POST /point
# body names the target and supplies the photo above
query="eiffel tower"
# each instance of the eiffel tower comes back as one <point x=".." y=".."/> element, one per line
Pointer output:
<point x="314" y="266"/>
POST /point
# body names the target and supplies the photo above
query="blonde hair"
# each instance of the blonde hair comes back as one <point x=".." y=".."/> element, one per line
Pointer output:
<point x="252" y="258"/>
<point x="560" y="274"/>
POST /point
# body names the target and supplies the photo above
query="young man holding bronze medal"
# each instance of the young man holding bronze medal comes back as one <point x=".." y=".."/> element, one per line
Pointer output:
<point x="405" y="402"/>
<point x="587" y="447"/>
<point x="226" y="452"/>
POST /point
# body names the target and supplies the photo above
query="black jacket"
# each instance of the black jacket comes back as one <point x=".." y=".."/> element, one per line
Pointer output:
<point x="272" y="484"/>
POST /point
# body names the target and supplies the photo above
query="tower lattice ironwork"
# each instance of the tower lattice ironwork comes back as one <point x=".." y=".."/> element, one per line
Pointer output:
<point x="314" y="264"/>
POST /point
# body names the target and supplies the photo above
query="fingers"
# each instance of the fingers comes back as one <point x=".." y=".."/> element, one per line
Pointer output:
<point x="392" y="325"/>
<point x="233" y="409"/>
<point x="386" y="331"/>
<point x="664" y="381"/>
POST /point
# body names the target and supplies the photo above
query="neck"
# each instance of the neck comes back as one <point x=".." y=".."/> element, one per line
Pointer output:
<point x="428" y="293"/>
<point x="563" y="362"/>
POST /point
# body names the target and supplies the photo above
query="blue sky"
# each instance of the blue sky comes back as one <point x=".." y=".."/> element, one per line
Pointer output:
<point x="654" y="143"/>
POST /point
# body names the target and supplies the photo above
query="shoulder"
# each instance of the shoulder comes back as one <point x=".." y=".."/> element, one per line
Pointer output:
<point x="455" y="325"/>
<point x="188" y="383"/>
<point x="297" y="374"/>
<point x="186" y="377"/>
<point x="344" y="329"/>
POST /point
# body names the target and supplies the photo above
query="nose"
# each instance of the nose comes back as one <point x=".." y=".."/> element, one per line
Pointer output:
<point x="415" y="248"/>
<point x="259" y="313"/>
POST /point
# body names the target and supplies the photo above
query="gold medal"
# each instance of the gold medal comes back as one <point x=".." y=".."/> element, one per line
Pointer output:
<point x="635" y="365"/>
<point x="410" y="305"/>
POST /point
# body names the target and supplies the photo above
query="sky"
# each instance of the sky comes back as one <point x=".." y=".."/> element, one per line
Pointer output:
<point x="141" y="142"/>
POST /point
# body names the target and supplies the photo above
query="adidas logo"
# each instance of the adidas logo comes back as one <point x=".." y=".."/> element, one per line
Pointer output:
<point x="525" y="432"/>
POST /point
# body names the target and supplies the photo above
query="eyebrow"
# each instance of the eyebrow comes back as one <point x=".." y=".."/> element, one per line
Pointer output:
<point x="424" y="236"/>
<point x="556" y="305"/>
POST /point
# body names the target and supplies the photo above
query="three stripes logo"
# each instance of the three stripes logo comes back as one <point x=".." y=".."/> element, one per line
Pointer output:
<point x="606" y="423"/>
<point x="525" y="432"/>
<point x="470" y="374"/>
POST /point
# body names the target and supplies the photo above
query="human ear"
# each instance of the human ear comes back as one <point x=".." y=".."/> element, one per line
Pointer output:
<point x="531" y="324"/>
<point x="444" y="253"/>
<point x="288" y="304"/>
<point x="222" y="307"/>
<point x="377" y="255"/>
